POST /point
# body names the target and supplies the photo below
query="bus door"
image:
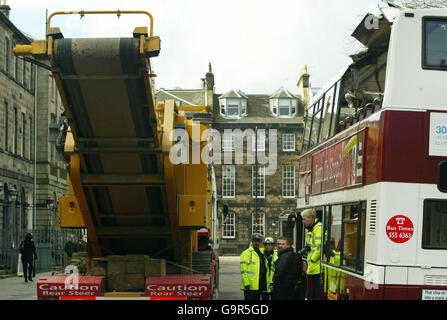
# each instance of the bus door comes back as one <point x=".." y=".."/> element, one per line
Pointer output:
<point x="287" y="225"/>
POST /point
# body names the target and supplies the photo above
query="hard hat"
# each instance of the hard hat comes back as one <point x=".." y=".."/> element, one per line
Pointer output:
<point x="269" y="240"/>
<point x="256" y="237"/>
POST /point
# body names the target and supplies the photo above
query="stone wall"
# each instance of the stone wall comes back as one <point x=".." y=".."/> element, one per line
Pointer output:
<point x="243" y="204"/>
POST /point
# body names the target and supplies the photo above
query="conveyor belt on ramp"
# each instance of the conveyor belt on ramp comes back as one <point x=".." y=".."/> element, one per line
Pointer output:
<point x="106" y="85"/>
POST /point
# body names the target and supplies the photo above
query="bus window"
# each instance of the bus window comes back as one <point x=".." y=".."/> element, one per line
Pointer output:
<point x="316" y="120"/>
<point x="346" y="113"/>
<point x="434" y="234"/>
<point x="435" y="43"/>
<point x="307" y="129"/>
<point x="334" y="127"/>
<point x="354" y="236"/>
<point x="327" y="114"/>
<point x="332" y="234"/>
<point x="361" y="247"/>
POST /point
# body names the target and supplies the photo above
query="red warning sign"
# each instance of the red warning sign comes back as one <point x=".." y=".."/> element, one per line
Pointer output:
<point x="399" y="229"/>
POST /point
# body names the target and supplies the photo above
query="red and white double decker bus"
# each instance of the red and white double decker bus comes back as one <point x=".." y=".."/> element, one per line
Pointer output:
<point x="374" y="138"/>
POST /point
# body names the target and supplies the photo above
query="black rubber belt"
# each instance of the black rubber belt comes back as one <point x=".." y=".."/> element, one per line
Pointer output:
<point x="64" y="59"/>
<point x="136" y="93"/>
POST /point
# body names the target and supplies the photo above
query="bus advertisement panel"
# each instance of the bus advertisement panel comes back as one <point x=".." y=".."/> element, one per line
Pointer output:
<point x="339" y="166"/>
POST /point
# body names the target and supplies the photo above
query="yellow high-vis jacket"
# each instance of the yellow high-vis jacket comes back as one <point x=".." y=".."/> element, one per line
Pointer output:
<point x="271" y="270"/>
<point x="249" y="265"/>
<point x="313" y="239"/>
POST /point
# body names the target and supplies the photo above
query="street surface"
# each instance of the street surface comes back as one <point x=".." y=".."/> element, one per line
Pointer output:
<point x="15" y="288"/>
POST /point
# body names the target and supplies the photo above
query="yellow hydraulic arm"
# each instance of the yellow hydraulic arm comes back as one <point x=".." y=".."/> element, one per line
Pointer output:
<point x="122" y="185"/>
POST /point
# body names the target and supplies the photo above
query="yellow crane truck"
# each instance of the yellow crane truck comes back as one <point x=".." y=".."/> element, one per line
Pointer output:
<point x="143" y="213"/>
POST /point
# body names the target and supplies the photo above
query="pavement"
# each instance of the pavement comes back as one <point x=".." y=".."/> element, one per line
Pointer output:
<point x="230" y="278"/>
<point x="15" y="288"/>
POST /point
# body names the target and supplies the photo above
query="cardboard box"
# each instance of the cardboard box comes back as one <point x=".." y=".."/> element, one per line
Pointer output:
<point x="116" y="265"/>
<point x="98" y="267"/>
<point x="135" y="267"/>
<point x="135" y="264"/>
<point x="136" y="257"/>
<point x="155" y="268"/>
<point x="135" y="282"/>
<point x="126" y="282"/>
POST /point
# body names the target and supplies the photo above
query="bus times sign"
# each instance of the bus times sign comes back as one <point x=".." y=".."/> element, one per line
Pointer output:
<point x="437" y="144"/>
<point x="339" y="166"/>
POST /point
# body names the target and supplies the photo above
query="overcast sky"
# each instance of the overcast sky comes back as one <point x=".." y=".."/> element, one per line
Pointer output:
<point x="256" y="46"/>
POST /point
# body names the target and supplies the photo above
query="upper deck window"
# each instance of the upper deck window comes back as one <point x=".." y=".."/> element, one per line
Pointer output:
<point x="435" y="43"/>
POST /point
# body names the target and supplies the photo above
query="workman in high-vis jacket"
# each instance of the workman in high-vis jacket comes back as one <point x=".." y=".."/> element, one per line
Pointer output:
<point x="271" y="255"/>
<point x="253" y="270"/>
<point x="332" y="281"/>
<point x="313" y="249"/>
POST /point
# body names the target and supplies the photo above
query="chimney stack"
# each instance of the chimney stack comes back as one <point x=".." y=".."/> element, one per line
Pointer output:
<point x="304" y="87"/>
<point x="209" y="87"/>
<point x="4" y="8"/>
<point x="209" y="78"/>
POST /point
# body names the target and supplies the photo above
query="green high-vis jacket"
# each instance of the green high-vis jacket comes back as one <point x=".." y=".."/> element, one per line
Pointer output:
<point x="313" y="239"/>
<point x="249" y="265"/>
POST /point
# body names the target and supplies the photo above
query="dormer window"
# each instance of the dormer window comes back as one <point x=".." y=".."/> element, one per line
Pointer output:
<point x="284" y="109"/>
<point x="233" y="110"/>
<point x="233" y="104"/>
<point x="283" y="104"/>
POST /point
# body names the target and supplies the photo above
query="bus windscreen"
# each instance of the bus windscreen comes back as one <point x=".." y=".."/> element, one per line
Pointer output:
<point x="435" y="43"/>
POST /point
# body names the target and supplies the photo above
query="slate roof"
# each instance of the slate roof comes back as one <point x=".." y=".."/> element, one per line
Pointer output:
<point x="195" y="97"/>
<point x="16" y="31"/>
<point x="258" y="111"/>
<point x="258" y="106"/>
<point x="283" y="93"/>
<point x="233" y="94"/>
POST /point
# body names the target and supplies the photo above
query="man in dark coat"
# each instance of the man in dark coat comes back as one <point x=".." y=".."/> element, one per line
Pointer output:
<point x="70" y="247"/>
<point x="285" y="278"/>
<point x="28" y="251"/>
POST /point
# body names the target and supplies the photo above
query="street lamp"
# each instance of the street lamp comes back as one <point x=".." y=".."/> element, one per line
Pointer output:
<point x="50" y="202"/>
<point x="11" y="218"/>
<point x="12" y="193"/>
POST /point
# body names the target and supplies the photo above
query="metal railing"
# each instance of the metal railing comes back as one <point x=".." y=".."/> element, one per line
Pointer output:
<point x="49" y="248"/>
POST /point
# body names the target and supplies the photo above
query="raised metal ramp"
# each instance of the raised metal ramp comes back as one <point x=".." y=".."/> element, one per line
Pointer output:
<point x="106" y="87"/>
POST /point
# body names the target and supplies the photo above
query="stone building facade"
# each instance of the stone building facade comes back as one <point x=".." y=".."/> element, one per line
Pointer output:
<point x="30" y="181"/>
<point x="17" y="97"/>
<point x="51" y="168"/>
<point x="266" y="211"/>
<point x="258" y="203"/>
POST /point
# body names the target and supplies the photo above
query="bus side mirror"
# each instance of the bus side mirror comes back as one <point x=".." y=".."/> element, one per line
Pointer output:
<point x="442" y="176"/>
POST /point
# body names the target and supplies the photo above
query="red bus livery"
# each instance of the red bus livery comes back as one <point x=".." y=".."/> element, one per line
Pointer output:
<point x="373" y="141"/>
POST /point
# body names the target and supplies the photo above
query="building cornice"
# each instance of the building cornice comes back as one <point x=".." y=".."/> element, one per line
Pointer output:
<point x="14" y="29"/>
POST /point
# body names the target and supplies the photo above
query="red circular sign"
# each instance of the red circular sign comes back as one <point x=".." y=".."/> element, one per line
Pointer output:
<point x="399" y="229"/>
